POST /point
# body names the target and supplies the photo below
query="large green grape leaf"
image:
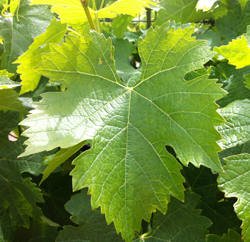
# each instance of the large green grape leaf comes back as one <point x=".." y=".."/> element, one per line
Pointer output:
<point x="31" y="58"/>
<point x="65" y="9"/>
<point x="183" y="11"/>
<point x="182" y="222"/>
<point x="19" y="33"/>
<point x="235" y="23"/>
<point x="232" y="236"/>
<point x="237" y="51"/>
<point x="90" y="221"/>
<point x="160" y="108"/>
<point x="236" y="130"/>
<point x="235" y="183"/>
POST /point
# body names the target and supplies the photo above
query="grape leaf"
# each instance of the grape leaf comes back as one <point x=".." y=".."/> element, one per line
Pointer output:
<point x="182" y="222"/>
<point x="31" y="58"/>
<point x="235" y="184"/>
<point x="90" y="222"/>
<point x="237" y="51"/>
<point x="18" y="35"/>
<point x="232" y="236"/>
<point x="236" y="130"/>
<point x="183" y="11"/>
<point x="65" y="8"/>
<point x="124" y="119"/>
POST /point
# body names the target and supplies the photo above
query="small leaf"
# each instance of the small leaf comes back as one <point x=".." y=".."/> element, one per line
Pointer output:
<point x="235" y="183"/>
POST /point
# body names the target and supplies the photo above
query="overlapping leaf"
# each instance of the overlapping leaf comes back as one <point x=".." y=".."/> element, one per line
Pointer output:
<point x="71" y="11"/>
<point x="237" y="51"/>
<point x="31" y="58"/>
<point x="159" y="108"/>
<point x="181" y="223"/>
<point x="19" y="33"/>
<point x="235" y="183"/>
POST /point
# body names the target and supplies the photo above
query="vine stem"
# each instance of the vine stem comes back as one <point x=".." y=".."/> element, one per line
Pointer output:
<point x="85" y="4"/>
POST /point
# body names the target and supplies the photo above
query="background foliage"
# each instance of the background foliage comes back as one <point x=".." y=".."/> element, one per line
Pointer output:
<point x="137" y="130"/>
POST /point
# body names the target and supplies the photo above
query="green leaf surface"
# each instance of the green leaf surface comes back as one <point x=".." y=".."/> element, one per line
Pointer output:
<point x="31" y="58"/>
<point x="119" y="120"/>
<point x="90" y="222"/>
<point x="182" y="222"/>
<point x="220" y="211"/>
<point x="235" y="183"/>
<point x="237" y="51"/>
<point x="232" y="236"/>
<point x="235" y="23"/>
<point x="9" y="101"/>
<point x="236" y="130"/>
<point x="183" y="11"/>
<point x="18" y="35"/>
<point x="233" y="82"/>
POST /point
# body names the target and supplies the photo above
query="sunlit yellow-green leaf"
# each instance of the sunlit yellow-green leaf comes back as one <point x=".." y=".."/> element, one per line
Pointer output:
<point x="71" y="11"/>
<point x="237" y="52"/>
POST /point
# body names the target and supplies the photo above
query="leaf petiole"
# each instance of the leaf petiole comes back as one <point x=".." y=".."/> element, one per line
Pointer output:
<point x="85" y="4"/>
